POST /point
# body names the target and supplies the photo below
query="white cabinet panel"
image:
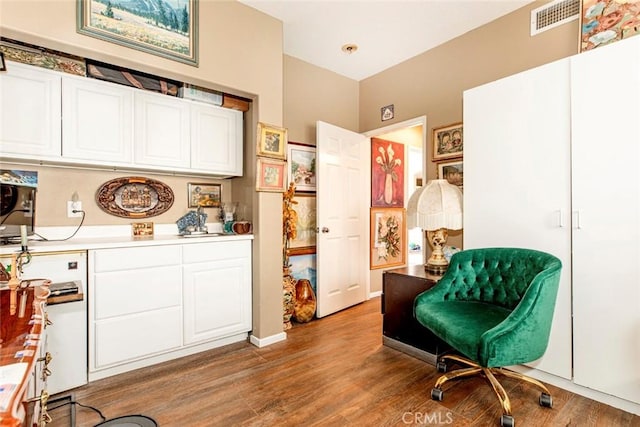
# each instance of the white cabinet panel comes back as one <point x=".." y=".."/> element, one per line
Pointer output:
<point x="217" y="290"/>
<point x="126" y="338"/>
<point x="30" y="112"/>
<point x="97" y="121"/>
<point x="162" y="131"/>
<point x="216" y="139"/>
<point x="606" y="203"/>
<point x="517" y="180"/>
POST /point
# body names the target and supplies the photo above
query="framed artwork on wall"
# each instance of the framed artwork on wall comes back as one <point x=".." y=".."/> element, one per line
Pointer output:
<point x="447" y="142"/>
<point x="303" y="266"/>
<point x="302" y="166"/>
<point x="306" y="222"/>
<point x="387" y="173"/>
<point x="3" y="66"/>
<point x="170" y="31"/>
<point x="205" y="195"/>
<point x="272" y="141"/>
<point x="271" y="175"/>
<point x="605" y="22"/>
<point x="452" y="172"/>
<point x="388" y="237"/>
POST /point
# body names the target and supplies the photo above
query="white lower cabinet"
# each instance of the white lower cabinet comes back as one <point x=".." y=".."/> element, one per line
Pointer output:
<point x="155" y="303"/>
<point x="217" y="292"/>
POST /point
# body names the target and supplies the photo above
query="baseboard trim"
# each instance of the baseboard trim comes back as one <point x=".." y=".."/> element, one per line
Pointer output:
<point x="375" y="294"/>
<point x="565" y="384"/>
<point x="263" y="342"/>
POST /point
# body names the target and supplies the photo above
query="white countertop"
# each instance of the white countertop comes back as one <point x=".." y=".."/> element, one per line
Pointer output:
<point x="107" y="237"/>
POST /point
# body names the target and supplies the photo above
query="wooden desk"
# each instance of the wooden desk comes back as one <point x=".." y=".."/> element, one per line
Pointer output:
<point x="22" y="368"/>
<point x="400" y="329"/>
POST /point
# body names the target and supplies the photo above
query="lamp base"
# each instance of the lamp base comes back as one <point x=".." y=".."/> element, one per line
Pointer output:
<point x="437" y="263"/>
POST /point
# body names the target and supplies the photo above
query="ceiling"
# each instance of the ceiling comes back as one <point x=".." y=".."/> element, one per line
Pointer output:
<point x="386" y="32"/>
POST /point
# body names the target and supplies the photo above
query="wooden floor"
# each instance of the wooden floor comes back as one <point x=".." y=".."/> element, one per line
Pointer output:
<point x="329" y="372"/>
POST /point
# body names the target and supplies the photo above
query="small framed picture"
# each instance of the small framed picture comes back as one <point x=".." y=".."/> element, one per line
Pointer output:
<point x="3" y="66"/>
<point x="447" y="142"/>
<point x="452" y="172"/>
<point x="271" y="175"/>
<point x="205" y="195"/>
<point x="272" y="141"/>
<point x="142" y="230"/>
<point x="302" y="166"/>
<point x="388" y="237"/>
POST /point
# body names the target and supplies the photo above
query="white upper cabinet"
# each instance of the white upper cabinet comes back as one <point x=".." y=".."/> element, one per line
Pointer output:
<point x="97" y="121"/>
<point x="50" y="116"/>
<point x="29" y="112"/>
<point x="216" y="139"/>
<point x="162" y="134"/>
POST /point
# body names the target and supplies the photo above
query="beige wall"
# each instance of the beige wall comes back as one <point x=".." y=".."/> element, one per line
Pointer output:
<point x="240" y="51"/>
<point x="432" y="83"/>
<point x="311" y="94"/>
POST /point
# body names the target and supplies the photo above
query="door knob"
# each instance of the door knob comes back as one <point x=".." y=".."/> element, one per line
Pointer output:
<point x="325" y="230"/>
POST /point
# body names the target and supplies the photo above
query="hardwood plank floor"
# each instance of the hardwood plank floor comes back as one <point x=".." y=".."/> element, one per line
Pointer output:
<point x="330" y="372"/>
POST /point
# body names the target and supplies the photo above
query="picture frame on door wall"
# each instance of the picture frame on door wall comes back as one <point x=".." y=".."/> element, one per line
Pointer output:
<point x="448" y="142"/>
<point x="302" y="166"/>
<point x="387" y="173"/>
<point x="272" y="141"/>
<point x="388" y="237"/>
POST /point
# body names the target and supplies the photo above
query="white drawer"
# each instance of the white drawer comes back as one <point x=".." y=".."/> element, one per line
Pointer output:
<point x="125" y="292"/>
<point x="127" y="338"/>
<point x="202" y="252"/>
<point x="132" y="258"/>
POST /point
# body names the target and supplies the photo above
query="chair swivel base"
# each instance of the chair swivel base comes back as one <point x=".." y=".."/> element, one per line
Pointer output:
<point x="506" y="420"/>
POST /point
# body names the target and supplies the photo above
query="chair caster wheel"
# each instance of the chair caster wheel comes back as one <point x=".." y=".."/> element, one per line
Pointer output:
<point x="507" y="421"/>
<point x="546" y="400"/>
<point x="441" y="367"/>
<point x="437" y="394"/>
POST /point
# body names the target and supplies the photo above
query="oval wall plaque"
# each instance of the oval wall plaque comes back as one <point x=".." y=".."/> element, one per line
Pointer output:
<point x="134" y="197"/>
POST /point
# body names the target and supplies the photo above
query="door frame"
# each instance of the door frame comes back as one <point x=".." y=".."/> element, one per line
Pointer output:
<point x="416" y="121"/>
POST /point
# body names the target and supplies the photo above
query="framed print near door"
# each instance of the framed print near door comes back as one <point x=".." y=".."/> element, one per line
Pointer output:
<point x="387" y="173"/>
<point x="448" y="142"/>
<point x="452" y="172"/>
<point x="306" y="223"/>
<point x="272" y="141"/>
<point x="302" y="166"/>
<point x="271" y="175"/>
<point x="388" y="237"/>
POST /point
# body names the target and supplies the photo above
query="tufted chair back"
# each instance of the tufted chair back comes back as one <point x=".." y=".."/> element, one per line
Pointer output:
<point x="495" y="275"/>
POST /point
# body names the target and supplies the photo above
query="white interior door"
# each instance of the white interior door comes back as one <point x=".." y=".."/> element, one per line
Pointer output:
<point x="342" y="218"/>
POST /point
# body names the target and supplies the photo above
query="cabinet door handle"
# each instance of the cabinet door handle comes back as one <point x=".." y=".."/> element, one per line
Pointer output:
<point x="576" y="214"/>
<point x="560" y="218"/>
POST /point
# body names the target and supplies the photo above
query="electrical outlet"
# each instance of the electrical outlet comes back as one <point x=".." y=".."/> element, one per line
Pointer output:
<point x="74" y="206"/>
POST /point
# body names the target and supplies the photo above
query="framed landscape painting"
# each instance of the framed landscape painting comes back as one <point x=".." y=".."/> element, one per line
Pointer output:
<point x="169" y="30"/>
<point x="302" y="166"/>
<point x="306" y="223"/>
<point x="452" y="172"/>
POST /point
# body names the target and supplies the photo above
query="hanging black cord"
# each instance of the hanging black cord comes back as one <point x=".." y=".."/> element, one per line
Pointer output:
<point x="73" y="402"/>
<point x="67" y="238"/>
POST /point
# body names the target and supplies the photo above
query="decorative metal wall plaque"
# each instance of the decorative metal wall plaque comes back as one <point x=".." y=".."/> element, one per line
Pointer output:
<point x="134" y="197"/>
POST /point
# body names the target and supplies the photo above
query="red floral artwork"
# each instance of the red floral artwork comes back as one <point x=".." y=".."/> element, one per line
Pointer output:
<point x="387" y="173"/>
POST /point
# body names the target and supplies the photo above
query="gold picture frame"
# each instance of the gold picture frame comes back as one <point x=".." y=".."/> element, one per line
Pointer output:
<point x="142" y="230"/>
<point x="448" y="142"/>
<point x="272" y="141"/>
<point x="388" y="237"/>
<point x="206" y="195"/>
<point x="271" y="175"/>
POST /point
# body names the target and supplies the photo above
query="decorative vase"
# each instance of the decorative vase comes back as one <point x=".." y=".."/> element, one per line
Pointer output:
<point x="305" y="304"/>
<point x="388" y="188"/>
<point x="288" y="297"/>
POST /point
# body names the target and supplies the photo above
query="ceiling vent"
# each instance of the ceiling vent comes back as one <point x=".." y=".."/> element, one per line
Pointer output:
<point x="553" y="14"/>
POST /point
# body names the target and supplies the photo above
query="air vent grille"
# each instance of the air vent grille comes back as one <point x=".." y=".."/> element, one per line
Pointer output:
<point x="553" y="14"/>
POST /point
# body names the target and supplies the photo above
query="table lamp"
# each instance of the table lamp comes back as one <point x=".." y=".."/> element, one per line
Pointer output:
<point x="436" y="208"/>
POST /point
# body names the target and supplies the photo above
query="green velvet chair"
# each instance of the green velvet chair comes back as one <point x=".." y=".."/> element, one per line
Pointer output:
<point x="494" y="306"/>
